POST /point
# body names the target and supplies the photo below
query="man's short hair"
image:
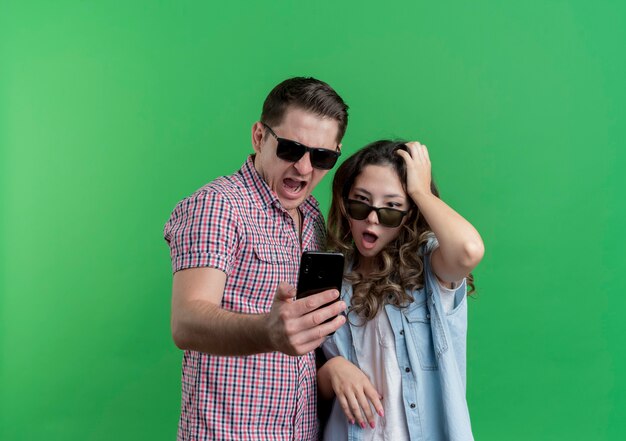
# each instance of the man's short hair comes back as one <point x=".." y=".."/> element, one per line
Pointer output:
<point x="308" y="94"/>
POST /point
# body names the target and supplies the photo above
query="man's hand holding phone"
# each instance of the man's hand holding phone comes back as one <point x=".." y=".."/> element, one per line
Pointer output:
<point x="297" y="326"/>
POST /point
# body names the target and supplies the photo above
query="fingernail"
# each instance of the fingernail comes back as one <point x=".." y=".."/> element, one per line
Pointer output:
<point x="372" y="425"/>
<point x="362" y="424"/>
<point x="352" y="421"/>
<point x="381" y="413"/>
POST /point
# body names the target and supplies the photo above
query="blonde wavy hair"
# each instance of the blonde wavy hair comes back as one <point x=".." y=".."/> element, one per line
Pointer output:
<point x="400" y="266"/>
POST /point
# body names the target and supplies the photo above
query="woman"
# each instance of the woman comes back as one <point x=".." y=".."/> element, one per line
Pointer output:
<point x="410" y="256"/>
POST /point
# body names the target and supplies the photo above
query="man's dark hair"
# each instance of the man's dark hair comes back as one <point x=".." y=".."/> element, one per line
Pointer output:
<point x="307" y="94"/>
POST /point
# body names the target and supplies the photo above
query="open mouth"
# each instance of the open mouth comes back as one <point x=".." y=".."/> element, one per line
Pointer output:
<point x="293" y="185"/>
<point x="369" y="238"/>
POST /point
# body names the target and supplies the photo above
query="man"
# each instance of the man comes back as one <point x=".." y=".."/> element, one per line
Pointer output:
<point x="248" y="369"/>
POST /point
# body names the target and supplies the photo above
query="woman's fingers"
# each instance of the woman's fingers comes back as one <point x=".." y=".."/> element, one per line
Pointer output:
<point x="343" y="402"/>
<point x="355" y="409"/>
<point x="374" y="398"/>
<point x="418" y="168"/>
<point x="366" y="409"/>
<point x="425" y="150"/>
<point x="418" y="151"/>
<point x="357" y="406"/>
<point x="354" y="392"/>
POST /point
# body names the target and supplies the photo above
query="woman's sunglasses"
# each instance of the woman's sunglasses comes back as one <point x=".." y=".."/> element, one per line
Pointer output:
<point x="388" y="217"/>
<point x="292" y="151"/>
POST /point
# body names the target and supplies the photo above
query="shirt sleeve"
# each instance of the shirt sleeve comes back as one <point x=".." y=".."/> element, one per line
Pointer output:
<point x="450" y="297"/>
<point x="329" y="348"/>
<point x="202" y="232"/>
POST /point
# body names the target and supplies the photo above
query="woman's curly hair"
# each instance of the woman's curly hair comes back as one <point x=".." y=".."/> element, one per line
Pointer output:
<point x="400" y="266"/>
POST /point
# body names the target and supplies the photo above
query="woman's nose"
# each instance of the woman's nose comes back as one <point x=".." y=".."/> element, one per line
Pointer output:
<point x="372" y="218"/>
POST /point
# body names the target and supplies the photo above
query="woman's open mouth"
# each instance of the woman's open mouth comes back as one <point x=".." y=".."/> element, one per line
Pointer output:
<point x="369" y="240"/>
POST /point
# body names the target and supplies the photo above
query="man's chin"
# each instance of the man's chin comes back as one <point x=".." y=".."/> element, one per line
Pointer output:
<point x="292" y="203"/>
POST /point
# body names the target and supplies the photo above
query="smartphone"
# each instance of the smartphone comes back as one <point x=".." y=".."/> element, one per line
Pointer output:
<point x="319" y="271"/>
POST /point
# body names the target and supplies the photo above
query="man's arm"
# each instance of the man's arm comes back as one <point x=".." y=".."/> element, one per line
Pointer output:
<point x="293" y="327"/>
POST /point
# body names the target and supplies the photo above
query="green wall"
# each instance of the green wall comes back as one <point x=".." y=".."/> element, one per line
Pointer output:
<point x="111" y="112"/>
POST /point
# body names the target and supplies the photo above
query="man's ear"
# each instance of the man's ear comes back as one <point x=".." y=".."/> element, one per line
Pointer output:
<point x="258" y="132"/>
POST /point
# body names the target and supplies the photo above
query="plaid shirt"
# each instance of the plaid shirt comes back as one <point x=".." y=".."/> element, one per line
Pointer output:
<point x="237" y="225"/>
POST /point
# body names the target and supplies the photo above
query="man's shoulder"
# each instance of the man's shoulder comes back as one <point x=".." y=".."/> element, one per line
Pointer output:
<point x="225" y="194"/>
<point x="231" y="187"/>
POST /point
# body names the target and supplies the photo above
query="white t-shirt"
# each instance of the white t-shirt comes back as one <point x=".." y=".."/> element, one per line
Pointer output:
<point x="379" y="362"/>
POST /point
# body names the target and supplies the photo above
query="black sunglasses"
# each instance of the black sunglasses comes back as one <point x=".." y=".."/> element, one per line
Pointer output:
<point x="292" y="151"/>
<point x="388" y="217"/>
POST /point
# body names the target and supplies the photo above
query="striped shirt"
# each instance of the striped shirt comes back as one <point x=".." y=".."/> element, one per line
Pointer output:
<point x="237" y="225"/>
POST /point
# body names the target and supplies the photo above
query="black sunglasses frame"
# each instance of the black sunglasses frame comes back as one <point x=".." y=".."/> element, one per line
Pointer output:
<point x="381" y="212"/>
<point x="292" y="151"/>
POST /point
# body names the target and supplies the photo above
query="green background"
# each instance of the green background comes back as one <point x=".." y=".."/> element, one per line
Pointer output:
<point x="111" y="112"/>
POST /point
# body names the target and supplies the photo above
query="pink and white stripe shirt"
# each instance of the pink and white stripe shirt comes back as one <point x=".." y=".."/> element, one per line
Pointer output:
<point x="237" y="225"/>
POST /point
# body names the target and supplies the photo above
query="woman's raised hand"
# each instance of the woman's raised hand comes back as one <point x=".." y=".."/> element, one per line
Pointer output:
<point x="418" y="171"/>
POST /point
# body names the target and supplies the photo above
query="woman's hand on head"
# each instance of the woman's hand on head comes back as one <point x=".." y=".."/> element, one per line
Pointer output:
<point x="354" y="391"/>
<point x="418" y="169"/>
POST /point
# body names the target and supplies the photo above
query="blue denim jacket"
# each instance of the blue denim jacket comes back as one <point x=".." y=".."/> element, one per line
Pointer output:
<point x="430" y="347"/>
